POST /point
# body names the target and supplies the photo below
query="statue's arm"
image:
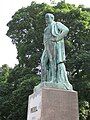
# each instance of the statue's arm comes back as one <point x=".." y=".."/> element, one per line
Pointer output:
<point x="63" y="31"/>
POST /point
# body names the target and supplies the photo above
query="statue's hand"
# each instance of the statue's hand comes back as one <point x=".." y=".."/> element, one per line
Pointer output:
<point x="58" y="38"/>
<point x="53" y="40"/>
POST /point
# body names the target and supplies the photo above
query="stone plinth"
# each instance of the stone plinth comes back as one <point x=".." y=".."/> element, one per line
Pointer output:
<point x="53" y="104"/>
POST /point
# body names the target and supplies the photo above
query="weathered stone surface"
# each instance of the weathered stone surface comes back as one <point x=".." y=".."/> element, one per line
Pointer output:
<point x="53" y="104"/>
<point x="34" y="106"/>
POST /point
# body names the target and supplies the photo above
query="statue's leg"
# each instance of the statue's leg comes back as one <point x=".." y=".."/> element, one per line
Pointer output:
<point x="52" y="58"/>
<point x="53" y="69"/>
<point x="44" y="60"/>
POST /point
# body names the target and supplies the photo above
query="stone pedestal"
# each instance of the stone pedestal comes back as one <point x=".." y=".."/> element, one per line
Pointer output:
<point x="53" y="104"/>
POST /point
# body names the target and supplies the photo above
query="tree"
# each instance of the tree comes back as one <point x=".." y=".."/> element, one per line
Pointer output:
<point x="14" y="92"/>
<point x="4" y="73"/>
<point x="25" y="30"/>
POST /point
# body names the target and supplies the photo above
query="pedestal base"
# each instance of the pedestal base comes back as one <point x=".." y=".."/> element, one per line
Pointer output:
<point x="60" y="85"/>
<point x="53" y="104"/>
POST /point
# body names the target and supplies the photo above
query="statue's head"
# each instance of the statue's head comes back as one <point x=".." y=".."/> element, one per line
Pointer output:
<point x="49" y="18"/>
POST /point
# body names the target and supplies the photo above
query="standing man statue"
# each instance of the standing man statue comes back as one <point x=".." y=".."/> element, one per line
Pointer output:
<point x="53" y="71"/>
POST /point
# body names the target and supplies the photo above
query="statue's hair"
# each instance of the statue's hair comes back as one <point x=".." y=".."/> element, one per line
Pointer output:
<point x="49" y="15"/>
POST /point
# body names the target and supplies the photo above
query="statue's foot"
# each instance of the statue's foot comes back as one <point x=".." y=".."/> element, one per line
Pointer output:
<point x="68" y="86"/>
<point x="53" y="80"/>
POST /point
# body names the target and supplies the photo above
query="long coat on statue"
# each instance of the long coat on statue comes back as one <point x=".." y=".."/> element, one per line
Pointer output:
<point x="53" y="32"/>
<point x="52" y="61"/>
<point x="54" y="50"/>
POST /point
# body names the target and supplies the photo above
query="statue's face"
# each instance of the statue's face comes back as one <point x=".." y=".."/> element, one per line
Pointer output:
<point x="48" y="20"/>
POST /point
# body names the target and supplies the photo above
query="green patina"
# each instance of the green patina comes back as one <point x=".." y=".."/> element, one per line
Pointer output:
<point x="53" y="71"/>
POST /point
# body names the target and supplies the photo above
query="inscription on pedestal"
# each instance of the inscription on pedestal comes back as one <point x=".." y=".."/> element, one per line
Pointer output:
<point x="34" y="107"/>
<point x="53" y="104"/>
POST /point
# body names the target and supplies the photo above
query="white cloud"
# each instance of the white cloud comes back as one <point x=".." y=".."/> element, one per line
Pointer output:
<point x="79" y="2"/>
<point x="8" y="52"/>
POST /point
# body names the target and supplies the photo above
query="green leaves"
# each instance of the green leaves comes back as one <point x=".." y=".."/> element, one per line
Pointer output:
<point x="14" y="94"/>
<point x="26" y="31"/>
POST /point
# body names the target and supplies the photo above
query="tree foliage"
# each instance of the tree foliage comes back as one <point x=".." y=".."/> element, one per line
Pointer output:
<point x="26" y="31"/>
<point x="14" y="94"/>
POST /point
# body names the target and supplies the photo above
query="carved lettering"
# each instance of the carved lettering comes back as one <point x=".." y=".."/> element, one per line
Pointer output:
<point x="34" y="109"/>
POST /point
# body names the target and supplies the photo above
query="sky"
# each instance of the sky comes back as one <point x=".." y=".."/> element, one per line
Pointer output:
<point x="8" y="52"/>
